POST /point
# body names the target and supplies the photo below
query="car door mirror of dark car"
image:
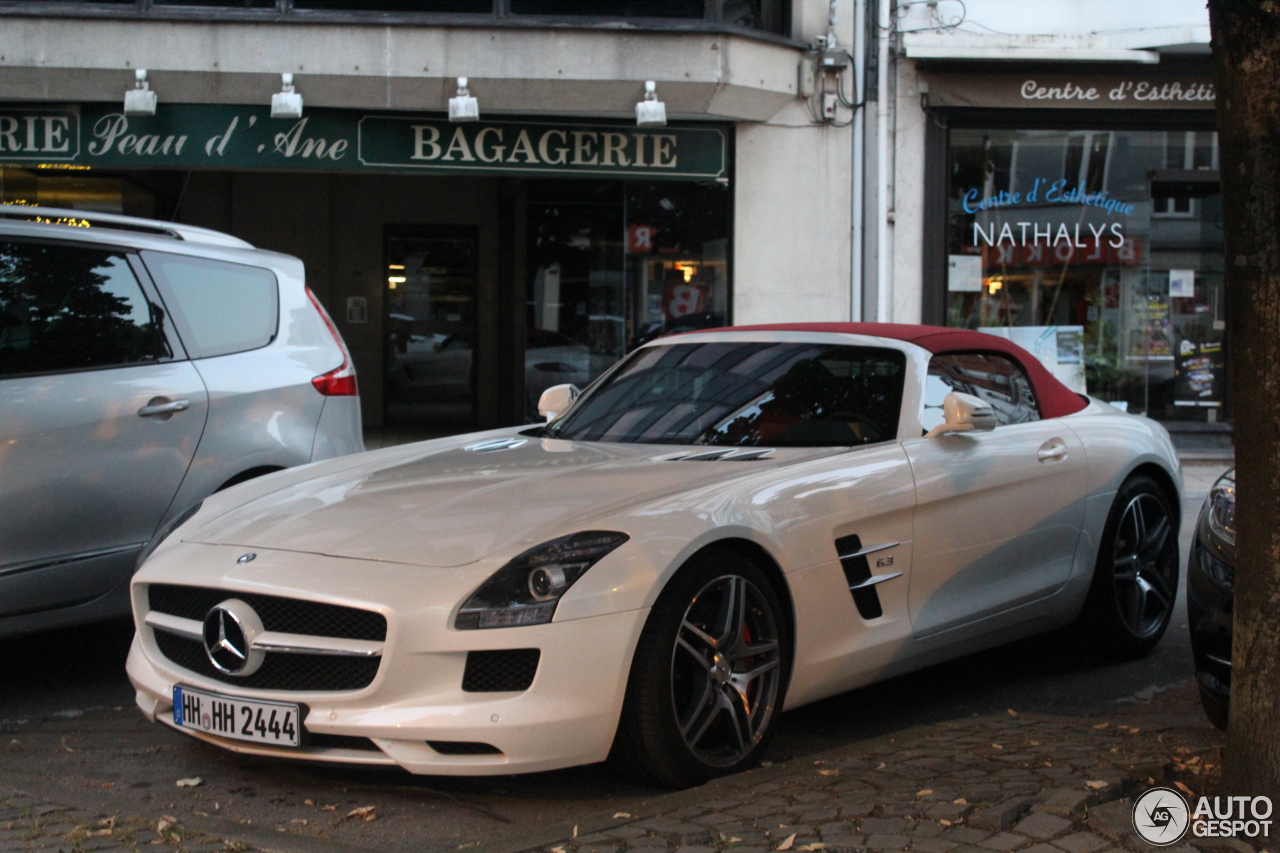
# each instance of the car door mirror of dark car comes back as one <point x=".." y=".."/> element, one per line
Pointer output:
<point x="556" y="399"/>
<point x="964" y="413"/>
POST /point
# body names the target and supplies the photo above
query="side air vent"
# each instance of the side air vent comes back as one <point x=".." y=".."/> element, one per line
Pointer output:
<point x="463" y="747"/>
<point x="324" y="741"/>
<point x="500" y="671"/>
<point x="857" y="571"/>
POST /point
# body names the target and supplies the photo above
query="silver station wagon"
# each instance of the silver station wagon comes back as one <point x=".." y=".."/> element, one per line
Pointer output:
<point x="143" y="366"/>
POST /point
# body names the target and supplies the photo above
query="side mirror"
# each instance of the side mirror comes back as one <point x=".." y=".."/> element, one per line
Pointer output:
<point x="555" y="400"/>
<point x="964" y="413"/>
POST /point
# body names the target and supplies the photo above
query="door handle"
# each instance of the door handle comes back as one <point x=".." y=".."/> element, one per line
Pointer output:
<point x="163" y="406"/>
<point x="1052" y="449"/>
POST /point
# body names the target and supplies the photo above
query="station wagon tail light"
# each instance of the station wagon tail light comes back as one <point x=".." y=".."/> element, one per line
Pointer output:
<point x="341" y="381"/>
<point x="526" y="590"/>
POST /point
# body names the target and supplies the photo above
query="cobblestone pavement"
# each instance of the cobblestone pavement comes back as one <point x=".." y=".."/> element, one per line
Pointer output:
<point x="990" y="784"/>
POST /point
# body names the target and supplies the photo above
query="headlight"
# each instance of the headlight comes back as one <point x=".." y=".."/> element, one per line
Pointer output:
<point x="163" y="533"/>
<point x="1222" y="510"/>
<point x="526" y="590"/>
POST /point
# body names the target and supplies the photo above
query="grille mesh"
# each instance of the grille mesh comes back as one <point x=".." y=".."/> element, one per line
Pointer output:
<point x="341" y="742"/>
<point x="500" y="671"/>
<point x="278" y="671"/>
<point x="287" y="615"/>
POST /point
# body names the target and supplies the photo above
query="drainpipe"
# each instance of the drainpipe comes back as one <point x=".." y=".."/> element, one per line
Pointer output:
<point x="884" y="306"/>
<point x="859" y="159"/>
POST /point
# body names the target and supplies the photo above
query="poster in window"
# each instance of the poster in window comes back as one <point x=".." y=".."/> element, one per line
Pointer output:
<point x="1198" y="374"/>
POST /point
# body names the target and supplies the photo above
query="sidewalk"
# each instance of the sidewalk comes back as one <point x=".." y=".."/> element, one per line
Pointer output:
<point x="993" y="784"/>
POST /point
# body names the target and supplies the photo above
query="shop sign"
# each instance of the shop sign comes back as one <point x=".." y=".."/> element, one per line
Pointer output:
<point x="1078" y="91"/>
<point x="217" y="136"/>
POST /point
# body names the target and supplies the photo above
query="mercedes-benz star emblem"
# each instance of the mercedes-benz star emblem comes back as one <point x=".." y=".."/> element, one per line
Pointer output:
<point x="247" y="558"/>
<point x="229" y="631"/>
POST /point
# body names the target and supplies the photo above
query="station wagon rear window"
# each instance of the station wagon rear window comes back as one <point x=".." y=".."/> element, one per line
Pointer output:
<point x="219" y="307"/>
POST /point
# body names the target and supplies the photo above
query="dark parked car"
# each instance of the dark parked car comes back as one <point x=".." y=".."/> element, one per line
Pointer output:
<point x="1211" y="570"/>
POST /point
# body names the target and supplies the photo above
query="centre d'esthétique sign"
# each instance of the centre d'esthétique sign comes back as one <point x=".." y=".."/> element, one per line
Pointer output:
<point x="216" y="136"/>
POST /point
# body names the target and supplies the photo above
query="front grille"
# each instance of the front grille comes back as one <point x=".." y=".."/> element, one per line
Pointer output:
<point x="463" y="747"/>
<point x="341" y="742"/>
<point x="278" y="671"/>
<point x="500" y="671"/>
<point x="286" y="615"/>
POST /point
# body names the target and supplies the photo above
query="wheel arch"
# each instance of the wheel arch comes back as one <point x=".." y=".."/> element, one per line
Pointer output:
<point x="772" y="570"/>
<point x="1165" y="481"/>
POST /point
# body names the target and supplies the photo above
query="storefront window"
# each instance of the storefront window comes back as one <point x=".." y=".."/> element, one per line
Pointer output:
<point x="613" y="265"/>
<point x="1099" y="251"/>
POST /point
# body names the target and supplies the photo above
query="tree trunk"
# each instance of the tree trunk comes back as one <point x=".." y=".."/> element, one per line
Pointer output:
<point x="1246" y="48"/>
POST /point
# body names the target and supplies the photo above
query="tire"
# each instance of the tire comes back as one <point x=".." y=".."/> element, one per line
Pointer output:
<point x="1135" y="581"/>
<point x="709" y="675"/>
<point x="1215" y="707"/>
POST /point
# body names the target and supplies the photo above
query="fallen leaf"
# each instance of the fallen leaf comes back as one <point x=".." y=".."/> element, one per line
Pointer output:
<point x="882" y="766"/>
<point x="766" y="763"/>
<point x="1095" y="784"/>
<point x="307" y="803"/>
<point x="1101" y="725"/>
<point x="621" y="814"/>
<point x="557" y="850"/>
<point x="996" y="746"/>
<point x="164" y="823"/>
<point x="329" y="808"/>
<point x="1034" y="742"/>
<point x="924" y="793"/>
<point x="828" y="772"/>
<point x="809" y="848"/>
<point x="99" y="832"/>
<point x="821" y="761"/>
<point x="945" y="822"/>
<point x="1012" y="713"/>
<point x="108" y="822"/>
<point x="190" y="782"/>
<point x="732" y="840"/>
<point x="1184" y="789"/>
<point x="299" y="820"/>
<point x="64" y="744"/>
<point x="364" y="813"/>
<point x="108" y="785"/>
<point x="786" y="842"/>
<point x="575" y="831"/>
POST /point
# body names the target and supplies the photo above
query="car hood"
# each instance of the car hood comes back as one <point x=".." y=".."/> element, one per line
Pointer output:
<point x="452" y="506"/>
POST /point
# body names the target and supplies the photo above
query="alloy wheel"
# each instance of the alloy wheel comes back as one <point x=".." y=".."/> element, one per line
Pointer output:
<point x="726" y="670"/>
<point x="1145" y="561"/>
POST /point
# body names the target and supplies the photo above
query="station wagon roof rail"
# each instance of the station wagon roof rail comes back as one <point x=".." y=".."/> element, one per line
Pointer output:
<point x="68" y="217"/>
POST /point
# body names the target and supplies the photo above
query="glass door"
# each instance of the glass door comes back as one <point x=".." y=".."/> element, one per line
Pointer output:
<point x="431" y="283"/>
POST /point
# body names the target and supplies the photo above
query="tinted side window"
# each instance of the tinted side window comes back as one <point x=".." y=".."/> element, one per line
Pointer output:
<point x="997" y="379"/>
<point x="73" y="308"/>
<point x="220" y="307"/>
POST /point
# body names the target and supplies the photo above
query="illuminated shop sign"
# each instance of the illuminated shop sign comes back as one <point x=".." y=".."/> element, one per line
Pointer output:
<point x="214" y="136"/>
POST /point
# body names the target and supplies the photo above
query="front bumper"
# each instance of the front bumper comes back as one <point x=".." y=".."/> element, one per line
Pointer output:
<point x="566" y="717"/>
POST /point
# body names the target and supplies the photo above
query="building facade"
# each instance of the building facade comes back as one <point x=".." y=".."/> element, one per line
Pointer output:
<point x="1054" y="182"/>
<point x="469" y="265"/>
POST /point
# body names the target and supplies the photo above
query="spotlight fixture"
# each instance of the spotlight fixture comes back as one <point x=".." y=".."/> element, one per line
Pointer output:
<point x="140" y="100"/>
<point x="463" y="107"/>
<point x="651" y="111"/>
<point x="286" y="103"/>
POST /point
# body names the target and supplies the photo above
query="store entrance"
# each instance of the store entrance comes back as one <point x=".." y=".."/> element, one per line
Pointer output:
<point x="431" y="332"/>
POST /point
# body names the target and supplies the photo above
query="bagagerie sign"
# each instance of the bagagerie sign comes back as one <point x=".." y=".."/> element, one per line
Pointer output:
<point x="230" y="137"/>
<point x="1070" y="91"/>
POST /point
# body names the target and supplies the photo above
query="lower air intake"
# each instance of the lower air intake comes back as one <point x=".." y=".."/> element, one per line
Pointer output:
<point x="502" y="671"/>
<point x="463" y="747"/>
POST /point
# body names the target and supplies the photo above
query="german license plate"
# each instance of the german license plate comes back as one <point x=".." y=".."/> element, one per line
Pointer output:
<point x="274" y="723"/>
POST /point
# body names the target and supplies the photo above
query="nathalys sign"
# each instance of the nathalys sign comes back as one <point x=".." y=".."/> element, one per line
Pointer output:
<point x="191" y="136"/>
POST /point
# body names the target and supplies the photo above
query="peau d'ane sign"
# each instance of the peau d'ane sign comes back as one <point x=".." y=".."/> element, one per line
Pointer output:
<point x="216" y="136"/>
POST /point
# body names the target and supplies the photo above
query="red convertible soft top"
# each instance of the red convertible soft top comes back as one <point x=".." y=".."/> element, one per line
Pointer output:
<point x="1055" y="398"/>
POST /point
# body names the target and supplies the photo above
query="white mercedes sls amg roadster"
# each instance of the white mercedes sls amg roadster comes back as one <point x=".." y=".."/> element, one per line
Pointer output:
<point x="725" y="525"/>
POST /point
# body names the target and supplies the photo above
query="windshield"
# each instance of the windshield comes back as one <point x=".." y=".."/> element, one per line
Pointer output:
<point x="744" y="394"/>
